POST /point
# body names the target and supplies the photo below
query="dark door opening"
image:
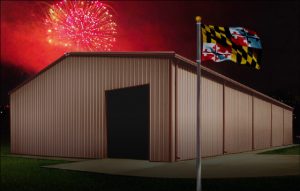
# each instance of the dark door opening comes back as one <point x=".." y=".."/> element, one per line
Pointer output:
<point x="128" y="122"/>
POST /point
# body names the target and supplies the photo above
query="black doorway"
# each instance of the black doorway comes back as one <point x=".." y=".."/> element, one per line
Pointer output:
<point x="128" y="122"/>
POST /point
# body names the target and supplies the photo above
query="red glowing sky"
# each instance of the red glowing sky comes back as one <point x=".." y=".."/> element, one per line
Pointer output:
<point x="170" y="26"/>
<point x="141" y="27"/>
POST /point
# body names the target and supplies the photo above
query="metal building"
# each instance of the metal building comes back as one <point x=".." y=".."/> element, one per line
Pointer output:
<point x="140" y="105"/>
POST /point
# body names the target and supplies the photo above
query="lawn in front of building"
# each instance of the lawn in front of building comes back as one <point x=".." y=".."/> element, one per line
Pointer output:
<point x="18" y="174"/>
<point x="294" y="150"/>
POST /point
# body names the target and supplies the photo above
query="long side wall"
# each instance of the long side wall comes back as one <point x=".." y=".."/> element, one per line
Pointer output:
<point x="288" y="127"/>
<point x="277" y="125"/>
<point x="62" y="111"/>
<point x="233" y="120"/>
<point x="237" y="121"/>
<point x="261" y="123"/>
<point x="212" y="115"/>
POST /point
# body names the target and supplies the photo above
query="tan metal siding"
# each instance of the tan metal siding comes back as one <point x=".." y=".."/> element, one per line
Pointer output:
<point x="211" y="117"/>
<point x="232" y="82"/>
<point x="211" y="111"/>
<point x="261" y="123"/>
<point x="62" y="111"/>
<point x="277" y="125"/>
<point x="186" y="113"/>
<point x="238" y="121"/>
<point x="288" y="127"/>
<point x="173" y="85"/>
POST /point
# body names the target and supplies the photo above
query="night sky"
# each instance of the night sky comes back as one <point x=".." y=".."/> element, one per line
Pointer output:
<point x="164" y="26"/>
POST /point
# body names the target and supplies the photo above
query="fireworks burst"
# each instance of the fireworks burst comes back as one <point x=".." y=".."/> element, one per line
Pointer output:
<point x="81" y="25"/>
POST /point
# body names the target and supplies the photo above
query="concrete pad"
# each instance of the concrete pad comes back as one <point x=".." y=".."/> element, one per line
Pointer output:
<point x="227" y="166"/>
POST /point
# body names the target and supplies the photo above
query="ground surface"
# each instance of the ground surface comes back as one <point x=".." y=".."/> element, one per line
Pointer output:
<point x="18" y="173"/>
<point x="248" y="164"/>
<point x="294" y="150"/>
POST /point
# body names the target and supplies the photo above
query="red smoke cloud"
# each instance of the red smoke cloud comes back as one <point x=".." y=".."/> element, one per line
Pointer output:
<point x="141" y="27"/>
<point x="161" y="25"/>
<point x="23" y="41"/>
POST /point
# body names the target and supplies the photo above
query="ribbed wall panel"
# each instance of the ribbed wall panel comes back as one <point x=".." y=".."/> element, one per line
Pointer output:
<point x="277" y="125"/>
<point x="238" y="121"/>
<point x="211" y="118"/>
<point x="173" y="109"/>
<point x="261" y="123"/>
<point x="288" y="127"/>
<point x="63" y="111"/>
<point x="211" y="113"/>
<point x="186" y="113"/>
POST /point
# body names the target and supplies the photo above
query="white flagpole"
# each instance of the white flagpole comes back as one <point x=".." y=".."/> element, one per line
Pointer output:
<point x="198" y="139"/>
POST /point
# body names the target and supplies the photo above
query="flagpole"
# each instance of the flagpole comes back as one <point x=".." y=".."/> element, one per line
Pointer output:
<point x="198" y="136"/>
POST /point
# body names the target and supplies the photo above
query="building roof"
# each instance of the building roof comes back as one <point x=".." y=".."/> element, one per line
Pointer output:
<point x="166" y="54"/>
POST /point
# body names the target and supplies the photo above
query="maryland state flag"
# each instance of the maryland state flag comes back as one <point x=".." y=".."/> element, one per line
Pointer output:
<point x="235" y="44"/>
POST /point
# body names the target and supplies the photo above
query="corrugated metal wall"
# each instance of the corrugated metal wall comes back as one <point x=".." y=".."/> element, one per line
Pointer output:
<point x="288" y="127"/>
<point x="238" y="121"/>
<point x="186" y="113"/>
<point x="173" y="108"/>
<point x="277" y="125"/>
<point x="246" y="123"/>
<point x="62" y="111"/>
<point x="212" y="115"/>
<point x="261" y="123"/>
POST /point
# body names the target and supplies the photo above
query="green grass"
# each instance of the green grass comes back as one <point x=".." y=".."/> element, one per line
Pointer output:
<point x="26" y="174"/>
<point x="4" y="149"/>
<point x="295" y="150"/>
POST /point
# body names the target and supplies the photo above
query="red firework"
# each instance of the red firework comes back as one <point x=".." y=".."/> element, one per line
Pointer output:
<point x="81" y="25"/>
